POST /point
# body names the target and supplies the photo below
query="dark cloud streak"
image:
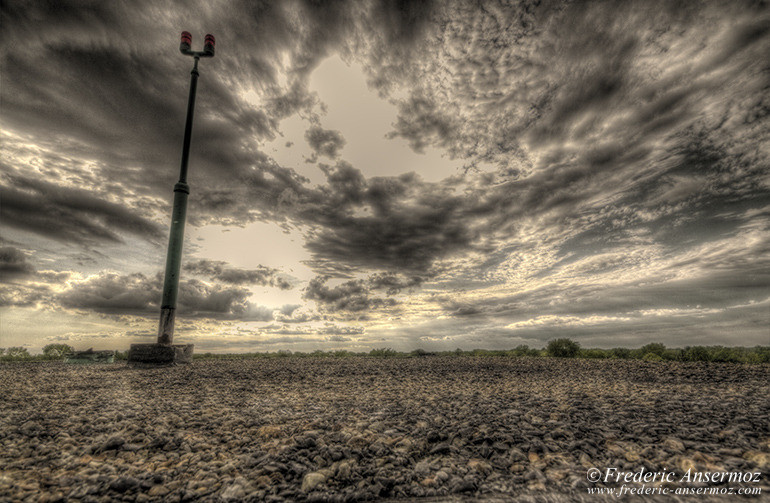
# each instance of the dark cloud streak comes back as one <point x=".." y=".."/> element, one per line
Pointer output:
<point x="220" y="271"/>
<point x="67" y="213"/>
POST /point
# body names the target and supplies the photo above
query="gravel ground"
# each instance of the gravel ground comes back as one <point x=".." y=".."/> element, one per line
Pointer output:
<point x="422" y="429"/>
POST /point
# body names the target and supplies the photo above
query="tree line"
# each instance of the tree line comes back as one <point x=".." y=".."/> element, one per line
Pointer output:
<point x="556" y="348"/>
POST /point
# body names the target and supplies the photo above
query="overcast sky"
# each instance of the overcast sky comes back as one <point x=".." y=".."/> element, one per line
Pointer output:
<point x="388" y="174"/>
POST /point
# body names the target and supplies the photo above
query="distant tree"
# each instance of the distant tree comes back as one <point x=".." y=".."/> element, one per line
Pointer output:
<point x="57" y="351"/>
<point x="623" y="353"/>
<point x="654" y="348"/>
<point x="562" y="348"/>
<point x="520" y="350"/>
<point x="696" y="354"/>
<point x="16" y="353"/>
<point x="762" y="353"/>
<point x="383" y="352"/>
<point x="723" y="354"/>
<point x="594" y="353"/>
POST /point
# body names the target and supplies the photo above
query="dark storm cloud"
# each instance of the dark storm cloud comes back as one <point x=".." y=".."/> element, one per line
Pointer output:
<point x="112" y="293"/>
<point x="422" y="123"/>
<point x="324" y="142"/>
<point x="13" y="264"/>
<point x="21" y="284"/>
<point x="359" y="295"/>
<point x="333" y="333"/>
<point x="138" y="295"/>
<point x="338" y="338"/>
<point x="399" y="223"/>
<point x="23" y="295"/>
<point x="712" y="291"/>
<point x="393" y="283"/>
<point x="220" y="271"/>
<point x="462" y="309"/>
<point x="340" y="331"/>
<point x="353" y="296"/>
<point x="296" y="314"/>
<point x="68" y="214"/>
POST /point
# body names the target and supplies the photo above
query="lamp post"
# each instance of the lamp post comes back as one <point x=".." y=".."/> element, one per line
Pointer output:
<point x="164" y="351"/>
<point x="181" y="191"/>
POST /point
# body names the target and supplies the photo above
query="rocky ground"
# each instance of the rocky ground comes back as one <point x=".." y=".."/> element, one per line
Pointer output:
<point x="431" y="428"/>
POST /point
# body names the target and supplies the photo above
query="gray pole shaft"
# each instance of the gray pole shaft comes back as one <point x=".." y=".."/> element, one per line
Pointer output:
<point x="176" y="236"/>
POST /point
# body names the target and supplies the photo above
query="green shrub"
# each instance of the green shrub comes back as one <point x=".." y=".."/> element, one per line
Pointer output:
<point x="16" y="353"/>
<point x="523" y="350"/>
<point x="623" y="353"/>
<point x="488" y="352"/>
<point x="562" y="348"/>
<point x="652" y="357"/>
<point x="654" y="348"/>
<point x="672" y="354"/>
<point x="723" y="354"/>
<point x="696" y="354"/>
<point x="520" y="350"/>
<point x="383" y="352"/>
<point x="762" y="353"/>
<point x="57" y="351"/>
<point x="594" y="353"/>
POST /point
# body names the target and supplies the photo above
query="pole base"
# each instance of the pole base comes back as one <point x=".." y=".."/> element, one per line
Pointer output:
<point x="160" y="354"/>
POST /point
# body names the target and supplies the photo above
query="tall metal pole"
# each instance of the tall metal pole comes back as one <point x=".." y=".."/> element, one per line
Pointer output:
<point x="176" y="236"/>
<point x="179" y="213"/>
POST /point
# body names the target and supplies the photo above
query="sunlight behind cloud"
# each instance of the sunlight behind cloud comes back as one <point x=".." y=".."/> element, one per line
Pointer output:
<point x="254" y="245"/>
<point x="364" y="119"/>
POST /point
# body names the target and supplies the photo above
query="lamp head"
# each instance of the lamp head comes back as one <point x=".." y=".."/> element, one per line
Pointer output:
<point x="208" y="46"/>
<point x="184" y="46"/>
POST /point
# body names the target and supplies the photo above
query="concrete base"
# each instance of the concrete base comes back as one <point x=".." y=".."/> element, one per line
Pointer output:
<point x="160" y="354"/>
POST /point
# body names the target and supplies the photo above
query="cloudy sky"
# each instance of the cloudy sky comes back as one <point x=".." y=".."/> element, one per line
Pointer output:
<point x="388" y="174"/>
